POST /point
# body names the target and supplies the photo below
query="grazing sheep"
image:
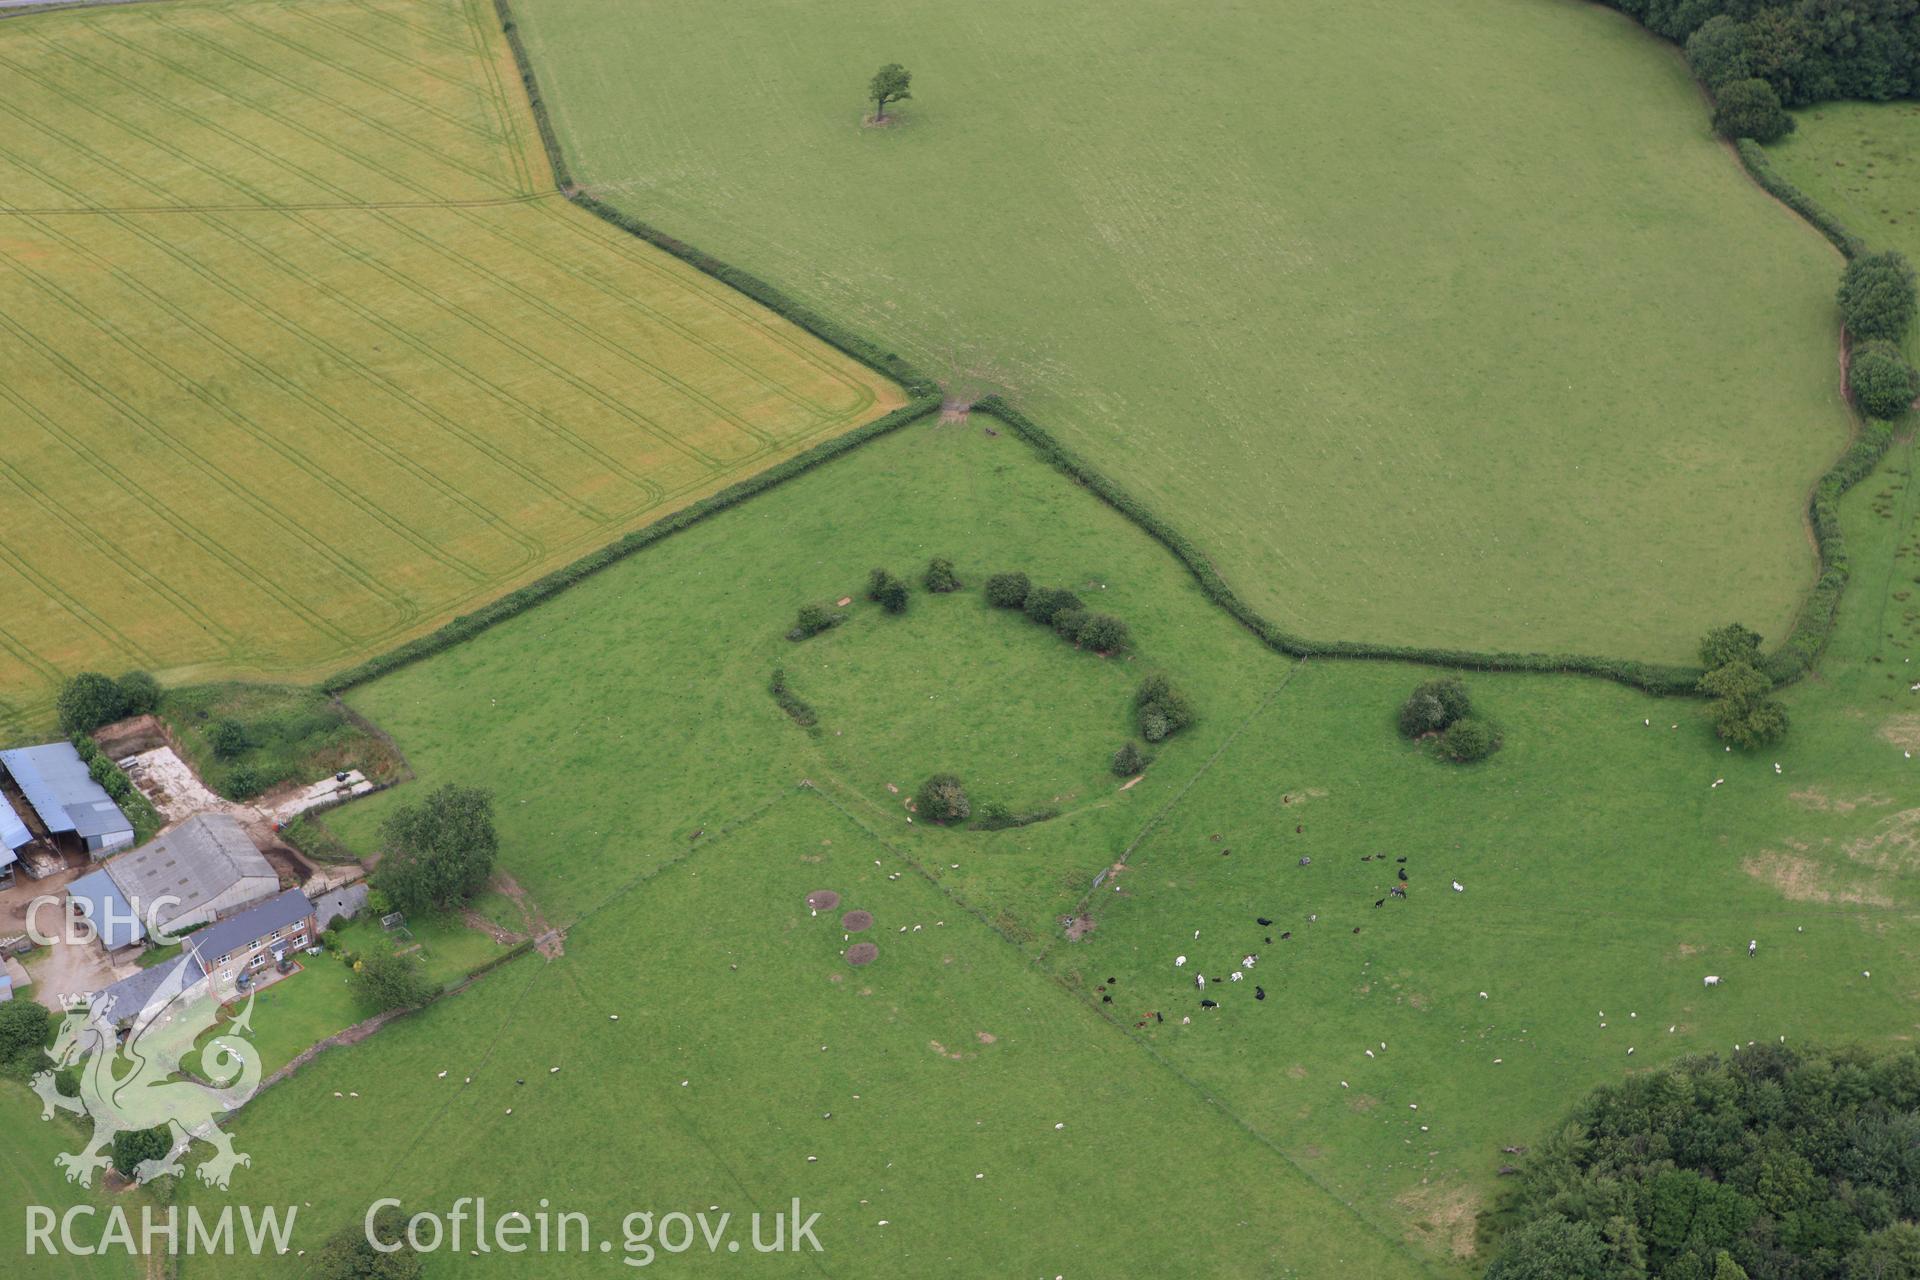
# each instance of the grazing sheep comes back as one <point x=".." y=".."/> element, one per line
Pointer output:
<point x="1713" y="979"/>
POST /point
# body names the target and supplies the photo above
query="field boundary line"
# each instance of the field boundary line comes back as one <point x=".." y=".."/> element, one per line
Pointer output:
<point x="1794" y="658"/>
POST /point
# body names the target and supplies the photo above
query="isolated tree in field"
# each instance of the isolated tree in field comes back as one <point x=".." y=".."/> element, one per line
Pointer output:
<point x="1128" y="760"/>
<point x="1743" y="712"/>
<point x="1883" y="384"/>
<point x="1877" y="297"/>
<point x="1731" y="643"/>
<point x="889" y="84"/>
<point x="438" y="852"/>
<point x="942" y="799"/>
<point x="1750" y="109"/>
<point x="388" y="981"/>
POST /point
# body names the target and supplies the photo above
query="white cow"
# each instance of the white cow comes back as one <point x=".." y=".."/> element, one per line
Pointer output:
<point x="1713" y="980"/>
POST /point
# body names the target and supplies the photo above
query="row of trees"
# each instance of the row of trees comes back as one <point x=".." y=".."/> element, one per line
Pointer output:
<point x="1773" y="1164"/>
<point x="1803" y="51"/>
<point x="1877" y="304"/>
<point x="1060" y="609"/>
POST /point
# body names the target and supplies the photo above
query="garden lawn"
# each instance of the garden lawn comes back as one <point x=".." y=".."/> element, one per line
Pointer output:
<point x="1450" y="325"/>
<point x="1856" y="160"/>
<point x="351" y="364"/>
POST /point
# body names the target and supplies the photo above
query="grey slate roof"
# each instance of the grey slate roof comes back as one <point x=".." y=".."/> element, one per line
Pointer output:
<point x="249" y="926"/>
<point x="128" y="998"/>
<point x="195" y="862"/>
<point x="100" y="900"/>
<point x="56" y="783"/>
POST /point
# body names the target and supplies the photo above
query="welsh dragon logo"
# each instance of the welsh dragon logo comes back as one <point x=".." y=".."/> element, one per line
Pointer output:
<point x="136" y="1083"/>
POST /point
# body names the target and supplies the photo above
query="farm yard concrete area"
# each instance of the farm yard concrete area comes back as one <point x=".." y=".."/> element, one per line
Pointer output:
<point x="306" y="355"/>
<point x="1007" y="708"/>
<point x="1320" y="283"/>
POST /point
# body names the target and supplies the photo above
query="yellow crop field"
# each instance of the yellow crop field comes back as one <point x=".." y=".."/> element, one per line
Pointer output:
<point x="300" y="353"/>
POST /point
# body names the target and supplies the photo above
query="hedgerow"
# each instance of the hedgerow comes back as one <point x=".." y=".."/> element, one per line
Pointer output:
<point x="1792" y="659"/>
<point x="801" y="711"/>
<point x="469" y="625"/>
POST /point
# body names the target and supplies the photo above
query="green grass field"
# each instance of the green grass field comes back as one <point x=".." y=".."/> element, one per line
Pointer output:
<point x="30" y="1177"/>
<point x="1459" y="331"/>
<point x="1856" y="160"/>
<point x="307" y="355"/>
<point x="1605" y="877"/>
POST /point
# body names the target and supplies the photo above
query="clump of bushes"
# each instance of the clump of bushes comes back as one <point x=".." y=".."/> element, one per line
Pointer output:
<point x="797" y="708"/>
<point x="887" y="591"/>
<point x="813" y="619"/>
<point x="1103" y="633"/>
<point x="1443" y="707"/>
<point x="1162" y="710"/>
<point x="1744" y="712"/>
<point x="1009" y="590"/>
<point x="1877" y="297"/>
<point x="942" y="799"/>
<point x="1433" y="706"/>
<point x="940" y="577"/>
<point x="228" y="738"/>
<point x="89" y="700"/>
<point x="1883" y="384"/>
<point x="1750" y="109"/>
<point x="1128" y="760"/>
<point x="1068" y="622"/>
<point x="995" y="816"/>
<point x="1468" y="739"/>
<point x="1043" y="604"/>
